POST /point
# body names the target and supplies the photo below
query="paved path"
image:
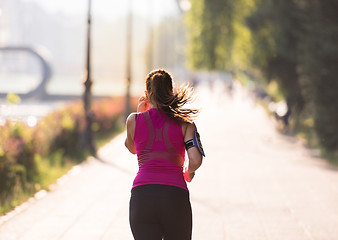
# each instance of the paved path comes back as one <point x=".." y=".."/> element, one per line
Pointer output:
<point x="254" y="184"/>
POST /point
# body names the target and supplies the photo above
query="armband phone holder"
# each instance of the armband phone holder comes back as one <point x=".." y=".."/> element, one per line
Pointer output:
<point x="195" y="142"/>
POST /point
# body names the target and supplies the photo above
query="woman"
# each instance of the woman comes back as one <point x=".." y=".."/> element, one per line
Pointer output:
<point x="159" y="133"/>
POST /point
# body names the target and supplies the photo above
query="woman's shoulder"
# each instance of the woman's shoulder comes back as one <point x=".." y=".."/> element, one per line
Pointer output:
<point x="189" y="124"/>
<point x="188" y="127"/>
<point x="131" y="118"/>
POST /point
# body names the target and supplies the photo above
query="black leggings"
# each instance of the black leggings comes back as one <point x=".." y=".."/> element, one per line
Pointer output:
<point x="160" y="212"/>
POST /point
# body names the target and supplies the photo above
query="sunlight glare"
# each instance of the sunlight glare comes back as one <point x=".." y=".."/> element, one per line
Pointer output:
<point x="185" y="5"/>
<point x="111" y="9"/>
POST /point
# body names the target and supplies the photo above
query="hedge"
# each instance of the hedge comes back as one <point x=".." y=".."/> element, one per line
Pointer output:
<point x="33" y="158"/>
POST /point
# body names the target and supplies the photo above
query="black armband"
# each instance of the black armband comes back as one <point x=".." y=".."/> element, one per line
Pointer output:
<point x="195" y="142"/>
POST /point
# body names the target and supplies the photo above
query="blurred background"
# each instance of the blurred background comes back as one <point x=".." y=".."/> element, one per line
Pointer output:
<point x="44" y="49"/>
<point x="57" y="29"/>
<point x="70" y="73"/>
<point x="284" y="53"/>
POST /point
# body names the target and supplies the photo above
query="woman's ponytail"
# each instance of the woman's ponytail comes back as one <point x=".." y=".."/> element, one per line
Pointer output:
<point x="159" y="85"/>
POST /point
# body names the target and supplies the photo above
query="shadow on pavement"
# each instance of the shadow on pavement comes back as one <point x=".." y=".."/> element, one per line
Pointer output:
<point x="113" y="165"/>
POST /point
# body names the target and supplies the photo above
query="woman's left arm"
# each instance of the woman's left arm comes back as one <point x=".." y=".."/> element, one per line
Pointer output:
<point x="129" y="142"/>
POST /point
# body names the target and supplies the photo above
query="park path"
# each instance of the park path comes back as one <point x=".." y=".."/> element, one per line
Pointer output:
<point x="254" y="184"/>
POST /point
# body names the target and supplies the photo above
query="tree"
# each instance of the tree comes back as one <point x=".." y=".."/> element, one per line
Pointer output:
<point x="319" y="65"/>
<point x="291" y="42"/>
<point x="210" y="34"/>
<point x="276" y="29"/>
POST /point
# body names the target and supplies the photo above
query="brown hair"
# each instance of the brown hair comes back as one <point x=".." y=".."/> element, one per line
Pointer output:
<point x="159" y="85"/>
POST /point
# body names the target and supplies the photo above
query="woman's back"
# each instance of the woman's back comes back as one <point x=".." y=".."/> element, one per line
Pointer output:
<point x="159" y="144"/>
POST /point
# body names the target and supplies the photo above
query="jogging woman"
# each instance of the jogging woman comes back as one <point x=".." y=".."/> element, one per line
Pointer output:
<point x="160" y="133"/>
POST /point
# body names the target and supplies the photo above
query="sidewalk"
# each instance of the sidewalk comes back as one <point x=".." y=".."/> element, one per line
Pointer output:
<point x="254" y="184"/>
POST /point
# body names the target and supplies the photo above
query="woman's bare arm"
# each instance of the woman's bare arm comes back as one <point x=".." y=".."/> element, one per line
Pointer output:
<point x="143" y="105"/>
<point x="129" y="142"/>
<point x="194" y="155"/>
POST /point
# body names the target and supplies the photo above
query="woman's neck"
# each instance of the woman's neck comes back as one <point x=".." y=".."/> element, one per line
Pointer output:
<point x="153" y="106"/>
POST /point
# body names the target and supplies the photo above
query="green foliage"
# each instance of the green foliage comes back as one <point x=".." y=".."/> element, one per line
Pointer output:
<point x="12" y="98"/>
<point x="210" y="34"/>
<point x="319" y="65"/>
<point x="17" y="164"/>
<point x="33" y="158"/>
<point x="292" y="44"/>
<point x="218" y="39"/>
<point x="278" y="59"/>
<point x="272" y="90"/>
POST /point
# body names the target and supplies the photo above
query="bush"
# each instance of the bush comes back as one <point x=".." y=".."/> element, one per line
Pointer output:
<point x="32" y="158"/>
<point x="17" y="163"/>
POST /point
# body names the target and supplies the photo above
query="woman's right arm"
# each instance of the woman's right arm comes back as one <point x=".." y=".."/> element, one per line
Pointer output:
<point x="194" y="155"/>
<point x="129" y="142"/>
<point x="143" y="105"/>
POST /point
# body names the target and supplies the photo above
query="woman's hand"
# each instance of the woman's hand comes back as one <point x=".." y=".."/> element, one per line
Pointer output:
<point x="188" y="176"/>
<point x="143" y="104"/>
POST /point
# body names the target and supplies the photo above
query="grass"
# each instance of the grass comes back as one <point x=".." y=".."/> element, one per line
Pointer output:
<point x="48" y="175"/>
<point x="51" y="171"/>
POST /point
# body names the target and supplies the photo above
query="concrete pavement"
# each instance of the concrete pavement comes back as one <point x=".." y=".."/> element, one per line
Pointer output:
<point x="254" y="184"/>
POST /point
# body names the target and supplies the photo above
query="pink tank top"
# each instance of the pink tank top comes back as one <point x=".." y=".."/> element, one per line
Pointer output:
<point x="160" y="149"/>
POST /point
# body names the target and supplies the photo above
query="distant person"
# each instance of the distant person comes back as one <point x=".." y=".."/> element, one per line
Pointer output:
<point x="195" y="80"/>
<point x="159" y="133"/>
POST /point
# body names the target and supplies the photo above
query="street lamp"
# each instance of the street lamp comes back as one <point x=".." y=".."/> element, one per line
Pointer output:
<point x="129" y="57"/>
<point x="151" y="37"/>
<point x="88" y="134"/>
